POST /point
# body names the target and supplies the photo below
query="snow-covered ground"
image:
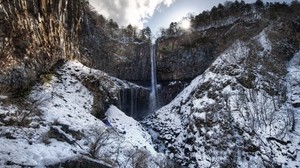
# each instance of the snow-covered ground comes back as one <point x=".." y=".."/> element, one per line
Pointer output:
<point x="63" y="127"/>
<point x="227" y="117"/>
<point x="293" y="88"/>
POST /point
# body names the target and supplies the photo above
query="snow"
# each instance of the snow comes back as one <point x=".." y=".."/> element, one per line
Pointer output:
<point x="232" y="55"/>
<point x="200" y="116"/>
<point x="3" y="97"/>
<point x="65" y="105"/>
<point x="67" y="102"/>
<point x="174" y="83"/>
<point x="293" y="88"/>
<point x="132" y="130"/>
<point x="20" y="152"/>
<point x="204" y="102"/>
<point x="265" y="43"/>
<point x="196" y="114"/>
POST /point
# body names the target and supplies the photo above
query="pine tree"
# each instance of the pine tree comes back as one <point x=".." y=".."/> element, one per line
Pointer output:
<point x="259" y="4"/>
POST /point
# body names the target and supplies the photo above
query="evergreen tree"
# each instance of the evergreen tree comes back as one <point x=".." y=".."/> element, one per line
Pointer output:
<point x="220" y="6"/>
<point x="259" y="4"/>
<point x="112" y="27"/>
<point x="295" y="3"/>
<point x="173" y="28"/>
<point x="146" y="33"/>
<point x="129" y="31"/>
<point x="112" y="24"/>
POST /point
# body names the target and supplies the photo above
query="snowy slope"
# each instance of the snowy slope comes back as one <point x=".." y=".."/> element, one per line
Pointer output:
<point x="293" y="88"/>
<point x="62" y="126"/>
<point x="233" y="115"/>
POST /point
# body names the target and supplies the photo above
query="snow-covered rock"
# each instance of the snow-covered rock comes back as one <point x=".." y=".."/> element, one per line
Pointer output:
<point x="236" y="114"/>
<point x="58" y="124"/>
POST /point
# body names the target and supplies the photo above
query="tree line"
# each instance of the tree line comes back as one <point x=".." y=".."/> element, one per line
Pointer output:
<point x="235" y="9"/>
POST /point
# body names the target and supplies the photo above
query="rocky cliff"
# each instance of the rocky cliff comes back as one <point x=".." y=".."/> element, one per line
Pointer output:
<point x="35" y="34"/>
<point x="186" y="54"/>
<point x="242" y="111"/>
<point x="113" y="51"/>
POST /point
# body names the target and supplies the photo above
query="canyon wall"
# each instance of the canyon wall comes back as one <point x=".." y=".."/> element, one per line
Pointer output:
<point x="35" y="34"/>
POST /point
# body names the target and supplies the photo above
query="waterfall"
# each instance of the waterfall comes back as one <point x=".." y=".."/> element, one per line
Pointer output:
<point x="132" y="99"/>
<point x="128" y="101"/>
<point x="132" y="102"/>
<point x="153" y="92"/>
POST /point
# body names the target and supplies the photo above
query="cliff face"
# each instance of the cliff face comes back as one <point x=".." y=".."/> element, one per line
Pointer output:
<point x="183" y="56"/>
<point x="35" y="34"/>
<point x="243" y="110"/>
<point x="123" y="57"/>
<point x="128" y="61"/>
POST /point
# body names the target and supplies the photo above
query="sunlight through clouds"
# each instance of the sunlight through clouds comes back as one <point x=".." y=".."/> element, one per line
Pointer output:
<point x="185" y="24"/>
<point x="126" y="12"/>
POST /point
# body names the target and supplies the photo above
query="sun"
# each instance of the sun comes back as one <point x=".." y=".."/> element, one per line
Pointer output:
<point x="185" y="24"/>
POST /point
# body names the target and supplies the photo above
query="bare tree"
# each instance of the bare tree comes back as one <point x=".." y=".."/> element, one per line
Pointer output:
<point x="100" y="138"/>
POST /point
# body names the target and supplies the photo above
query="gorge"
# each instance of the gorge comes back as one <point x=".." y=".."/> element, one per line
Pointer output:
<point x="77" y="90"/>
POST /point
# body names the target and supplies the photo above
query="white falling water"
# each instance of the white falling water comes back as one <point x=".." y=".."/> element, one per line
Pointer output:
<point x="153" y="80"/>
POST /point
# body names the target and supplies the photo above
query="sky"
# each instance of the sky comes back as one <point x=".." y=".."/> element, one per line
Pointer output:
<point x="154" y="13"/>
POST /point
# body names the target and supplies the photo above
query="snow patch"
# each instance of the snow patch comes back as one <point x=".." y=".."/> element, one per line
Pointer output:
<point x="265" y="43"/>
<point x="133" y="132"/>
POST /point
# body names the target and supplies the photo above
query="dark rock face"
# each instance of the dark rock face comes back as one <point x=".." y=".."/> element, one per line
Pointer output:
<point x="131" y="62"/>
<point x="134" y="101"/>
<point x="35" y="34"/>
<point x="180" y="59"/>
<point x="183" y="57"/>
<point x="168" y="90"/>
<point x="128" y="60"/>
<point x="186" y="56"/>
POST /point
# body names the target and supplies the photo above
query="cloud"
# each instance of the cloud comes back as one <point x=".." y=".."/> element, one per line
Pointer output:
<point x="125" y="12"/>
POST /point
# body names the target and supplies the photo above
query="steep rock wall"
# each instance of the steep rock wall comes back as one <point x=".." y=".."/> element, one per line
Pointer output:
<point x="182" y="57"/>
<point x="125" y="60"/>
<point x="35" y="34"/>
